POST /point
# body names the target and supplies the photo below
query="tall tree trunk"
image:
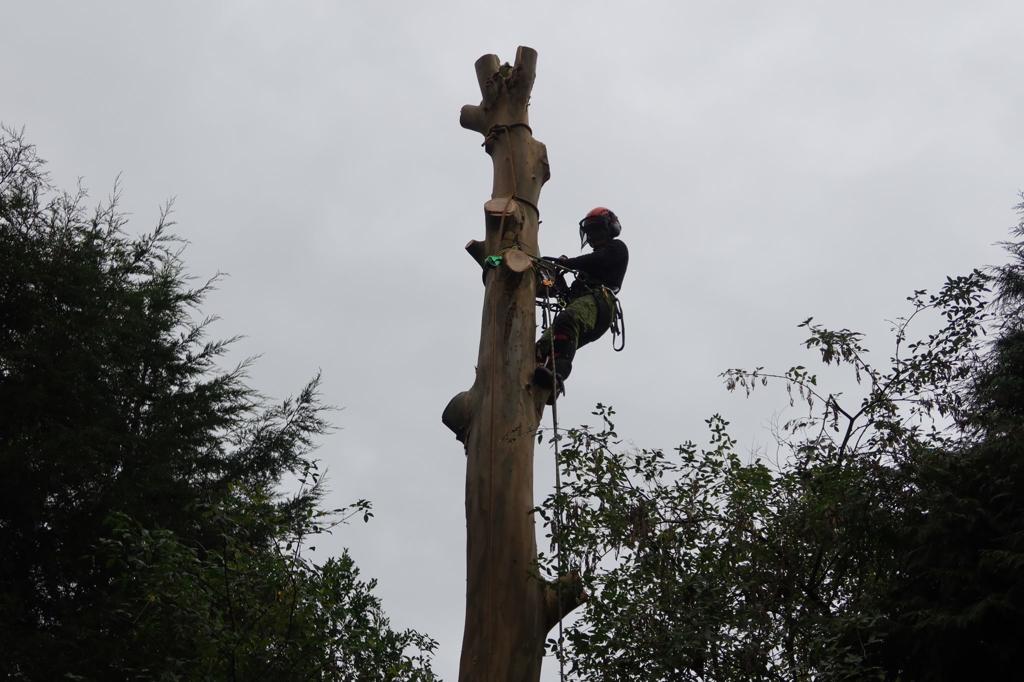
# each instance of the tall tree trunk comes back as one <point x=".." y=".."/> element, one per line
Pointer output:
<point x="509" y="609"/>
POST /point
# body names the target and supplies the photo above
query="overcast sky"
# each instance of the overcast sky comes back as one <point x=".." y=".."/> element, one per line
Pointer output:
<point x="768" y="161"/>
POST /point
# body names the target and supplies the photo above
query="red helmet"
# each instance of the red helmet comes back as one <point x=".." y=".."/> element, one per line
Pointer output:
<point x="599" y="217"/>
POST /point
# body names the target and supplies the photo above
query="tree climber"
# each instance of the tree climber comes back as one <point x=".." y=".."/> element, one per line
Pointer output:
<point x="591" y="298"/>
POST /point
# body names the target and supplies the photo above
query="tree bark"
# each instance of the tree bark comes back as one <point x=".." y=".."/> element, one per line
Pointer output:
<point x="509" y="608"/>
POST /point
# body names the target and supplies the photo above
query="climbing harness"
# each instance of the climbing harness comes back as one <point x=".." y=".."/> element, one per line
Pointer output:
<point x="554" y="297"/>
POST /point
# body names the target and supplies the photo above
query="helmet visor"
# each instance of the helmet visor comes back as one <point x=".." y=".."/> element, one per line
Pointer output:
<point x="594" y="226"/>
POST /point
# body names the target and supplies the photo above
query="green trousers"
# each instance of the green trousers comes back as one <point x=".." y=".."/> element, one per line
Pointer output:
<point x="578" y="324"/>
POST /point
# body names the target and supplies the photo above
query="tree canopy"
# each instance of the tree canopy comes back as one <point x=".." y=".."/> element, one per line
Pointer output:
<point x="886" y="542"/>
<point x="144" y="529"/>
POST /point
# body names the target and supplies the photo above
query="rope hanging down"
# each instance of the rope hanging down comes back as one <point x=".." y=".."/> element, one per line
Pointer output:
<point x="558" y="496"/>
<point x="549" y="280"/>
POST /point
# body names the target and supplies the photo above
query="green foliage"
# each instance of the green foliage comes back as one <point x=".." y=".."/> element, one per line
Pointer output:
<point x="227" y="612"/>
<point x="141" y="526"/>
<point x="887" y="542"/>
<point x="701" y="566"/>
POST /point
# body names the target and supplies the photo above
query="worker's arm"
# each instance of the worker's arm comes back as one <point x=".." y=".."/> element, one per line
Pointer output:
<point x="598" y="263"/>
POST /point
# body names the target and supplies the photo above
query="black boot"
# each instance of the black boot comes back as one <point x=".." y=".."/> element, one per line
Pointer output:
<point x="545" y="378"/>
<point x="549" y="374"/>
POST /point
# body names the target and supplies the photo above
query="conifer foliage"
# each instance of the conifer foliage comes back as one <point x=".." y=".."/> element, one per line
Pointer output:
<point x="142" y="531"/>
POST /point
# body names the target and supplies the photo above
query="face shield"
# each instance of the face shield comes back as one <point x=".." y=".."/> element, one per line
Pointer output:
<point x="593" y="227"/>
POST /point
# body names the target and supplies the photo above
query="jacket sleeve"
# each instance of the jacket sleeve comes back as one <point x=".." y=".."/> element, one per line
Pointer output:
<point x="595" y="263"/>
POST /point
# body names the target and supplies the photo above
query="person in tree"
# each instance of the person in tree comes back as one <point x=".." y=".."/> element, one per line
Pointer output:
<point x="590" y="309"/>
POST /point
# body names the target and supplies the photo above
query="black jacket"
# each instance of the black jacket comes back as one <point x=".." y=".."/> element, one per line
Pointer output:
<point x="605" y="266"/>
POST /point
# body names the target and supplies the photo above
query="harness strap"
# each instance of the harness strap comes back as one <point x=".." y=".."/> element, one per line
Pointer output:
<point x="610" y="314"/>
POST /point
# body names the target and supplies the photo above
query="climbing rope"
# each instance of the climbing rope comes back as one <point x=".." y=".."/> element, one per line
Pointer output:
<point x="557" y="530"/>
<point x="551" y="301"/>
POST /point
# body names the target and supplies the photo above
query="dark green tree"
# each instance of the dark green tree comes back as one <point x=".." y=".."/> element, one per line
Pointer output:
<point x="143" y="530"/>
<point x="956" y="604"/>
<point x="886" y="542"/>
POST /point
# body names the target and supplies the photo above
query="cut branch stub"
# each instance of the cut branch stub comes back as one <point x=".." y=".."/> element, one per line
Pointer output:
<point x="517" y="261"/>
<point x="477" y="250"/>
<point x="458" y="415"/>
<point x="486" y="67"/>
<point x="561" y="597"/>
<point x="504" y="221"/>
<point x="493" y="78"/>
